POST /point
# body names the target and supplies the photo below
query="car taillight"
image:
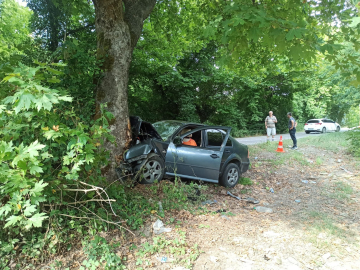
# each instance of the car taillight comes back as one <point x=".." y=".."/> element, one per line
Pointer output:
<point x="306" y="124"/>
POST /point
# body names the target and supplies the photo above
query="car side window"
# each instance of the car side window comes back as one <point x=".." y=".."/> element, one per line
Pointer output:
<point x="215" y="137"/>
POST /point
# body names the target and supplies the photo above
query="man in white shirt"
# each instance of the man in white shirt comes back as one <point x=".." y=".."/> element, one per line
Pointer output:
<point x="270" y="126"/>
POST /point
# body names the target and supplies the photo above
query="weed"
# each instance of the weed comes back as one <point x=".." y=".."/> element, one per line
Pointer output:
<point x="299" y="158"/>
<point x="329" y="141"/>
<point x="100" y="253"/>
<point x="204" y="226"/>
<point x="342" y="191"/>
<point x="321" y="222"/>
<point x="319" y="161"/>
<point x="245" y="181"/>
<point x="176" y="247"/>
<point x="230" y="214"/>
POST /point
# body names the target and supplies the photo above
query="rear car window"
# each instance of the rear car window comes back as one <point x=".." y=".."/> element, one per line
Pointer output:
<point x="229" y="143"/>
<point x="313" y="121"/>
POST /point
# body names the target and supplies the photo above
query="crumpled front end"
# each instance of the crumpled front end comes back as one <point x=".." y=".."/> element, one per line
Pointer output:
<point x="134" y="159"/>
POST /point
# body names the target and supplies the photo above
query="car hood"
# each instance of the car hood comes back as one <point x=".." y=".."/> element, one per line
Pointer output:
<point x="140" y="127"/>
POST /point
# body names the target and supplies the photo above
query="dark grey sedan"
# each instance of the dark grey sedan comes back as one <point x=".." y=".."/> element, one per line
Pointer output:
<point x="183" y="149"/>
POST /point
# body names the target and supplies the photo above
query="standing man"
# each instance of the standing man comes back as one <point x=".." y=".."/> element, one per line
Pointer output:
<point x="270" y="125"/>
<point x="292" y="130"/>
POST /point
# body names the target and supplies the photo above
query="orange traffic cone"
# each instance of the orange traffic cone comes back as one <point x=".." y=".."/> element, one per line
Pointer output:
<point x="280" y="147"/>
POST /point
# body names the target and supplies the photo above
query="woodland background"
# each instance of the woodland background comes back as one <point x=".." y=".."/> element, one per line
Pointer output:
<point x="215" y="62"/>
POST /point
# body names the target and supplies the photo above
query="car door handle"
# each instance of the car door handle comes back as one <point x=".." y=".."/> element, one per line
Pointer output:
<point x="214" y="156"/>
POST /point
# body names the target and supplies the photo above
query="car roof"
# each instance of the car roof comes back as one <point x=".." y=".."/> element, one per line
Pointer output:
<point x="320" y="119"/>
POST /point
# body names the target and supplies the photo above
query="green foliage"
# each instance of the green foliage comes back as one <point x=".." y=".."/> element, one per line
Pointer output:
<point x="14" y="30"/>
<point x="178" y="247"/>
<point x="42" y="151"/>
<point x="135" y="208"/>
<point x="245" y="181"/>
<point x="100" y="254"/>
<point x="354" y="139"/>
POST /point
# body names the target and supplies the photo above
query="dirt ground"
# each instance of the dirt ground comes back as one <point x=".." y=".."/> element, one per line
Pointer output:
<point x="315" y="223"/>
<point x="320" y="230"/>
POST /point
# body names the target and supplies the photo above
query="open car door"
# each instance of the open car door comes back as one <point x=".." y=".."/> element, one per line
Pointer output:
<point x="198" y="162"/>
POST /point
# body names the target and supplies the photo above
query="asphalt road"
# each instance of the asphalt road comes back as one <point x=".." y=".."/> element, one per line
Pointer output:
<point x="262" y="139"/>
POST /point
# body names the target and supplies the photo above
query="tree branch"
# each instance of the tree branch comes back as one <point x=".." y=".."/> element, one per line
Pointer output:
<point x="136" y="11"/>
<point x="91" y="200"/>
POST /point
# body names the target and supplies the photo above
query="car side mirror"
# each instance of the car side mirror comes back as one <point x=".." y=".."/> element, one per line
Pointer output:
<point x="177" y="141"/>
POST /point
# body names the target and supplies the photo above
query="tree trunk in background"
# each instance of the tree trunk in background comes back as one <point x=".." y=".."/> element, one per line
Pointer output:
<point x="118" y="26"/>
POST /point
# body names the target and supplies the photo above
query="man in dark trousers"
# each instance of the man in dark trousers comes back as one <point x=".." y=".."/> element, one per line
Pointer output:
<point x="292" y="130"/>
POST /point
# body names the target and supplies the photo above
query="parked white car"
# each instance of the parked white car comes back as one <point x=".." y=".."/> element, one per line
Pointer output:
<point x="321" y="125"/>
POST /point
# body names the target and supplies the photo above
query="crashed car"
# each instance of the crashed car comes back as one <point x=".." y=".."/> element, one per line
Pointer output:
<point x="158" y="150"/>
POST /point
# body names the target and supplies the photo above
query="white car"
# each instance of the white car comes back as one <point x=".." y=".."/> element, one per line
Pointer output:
<point x="321" y="125"/>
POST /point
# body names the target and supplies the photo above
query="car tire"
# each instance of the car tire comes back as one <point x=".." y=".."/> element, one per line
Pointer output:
<point x="323" y="130"/>
<point x="230" y="176"/>
<point x="337" y="129"/>
<point x="307" y="132"/>
<point x="152" y="170"/>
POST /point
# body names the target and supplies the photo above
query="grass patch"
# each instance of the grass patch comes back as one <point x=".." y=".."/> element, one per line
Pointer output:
<point x="319" y="161"/>
<point x="330" y="141"/>
<point x="245" y="181"/>
<point x="324" y="230"/>
<point x="298" y="158"/>
<point x="342" y="191"/>
<point x="177" y="248"/>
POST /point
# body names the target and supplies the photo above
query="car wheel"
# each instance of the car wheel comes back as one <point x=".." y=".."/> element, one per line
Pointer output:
<point x="337" y="129"/>
<point x="152" y="170"/>
<point x="323" y="130"/>
<point x="230" y="176"/>
<point x="307" y="132"/>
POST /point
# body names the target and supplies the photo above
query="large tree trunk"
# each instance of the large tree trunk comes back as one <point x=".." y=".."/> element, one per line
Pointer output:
<point x="118" y="25"/>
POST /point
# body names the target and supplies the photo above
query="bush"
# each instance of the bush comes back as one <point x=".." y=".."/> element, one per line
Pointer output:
<point x="44" y="153"/>
<point x="354" y="137"/>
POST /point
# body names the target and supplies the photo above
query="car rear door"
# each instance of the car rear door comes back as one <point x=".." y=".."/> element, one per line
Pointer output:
<point x="332" y="124"/>
<point x="201" y="162"/>
<point x="326" y="124"/>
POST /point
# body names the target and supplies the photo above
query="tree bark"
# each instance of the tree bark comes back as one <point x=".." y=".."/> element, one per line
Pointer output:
<point x="118" y="26"/>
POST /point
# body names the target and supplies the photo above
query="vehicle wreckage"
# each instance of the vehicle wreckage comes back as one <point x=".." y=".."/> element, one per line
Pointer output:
<point x="160" y="150"/>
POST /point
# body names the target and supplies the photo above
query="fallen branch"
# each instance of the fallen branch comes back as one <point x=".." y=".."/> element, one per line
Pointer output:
<point x="92" y="200"/>
<point x="110" y="222"/>
<point x="83" y="190"/>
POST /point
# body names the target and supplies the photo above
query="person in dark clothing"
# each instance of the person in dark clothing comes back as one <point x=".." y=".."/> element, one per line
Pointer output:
<point x="292" y="130"/>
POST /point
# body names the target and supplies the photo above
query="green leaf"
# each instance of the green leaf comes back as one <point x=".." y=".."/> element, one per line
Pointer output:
<point x="36" y="220"/>
<point x="59" y="64"/>
<point x="29" y="210"/>
<point x="354" y="22"/>
<point x="12" y="220"/>
<point x="38" y="188"/>
<point x="35" y="169"/>
<point x="53" y="80"/>
<point x="52" y="134"/>
<point x="24" y="102"/>
<point x="54" y="71"/>
<point x="33" y="148"/>
<point x="298" y="32"/>
<point x="65" y="98"/>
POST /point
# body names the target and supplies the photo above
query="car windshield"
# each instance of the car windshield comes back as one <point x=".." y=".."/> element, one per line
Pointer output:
<point x="166" y="128"/>
<point x="313" y="121"/>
